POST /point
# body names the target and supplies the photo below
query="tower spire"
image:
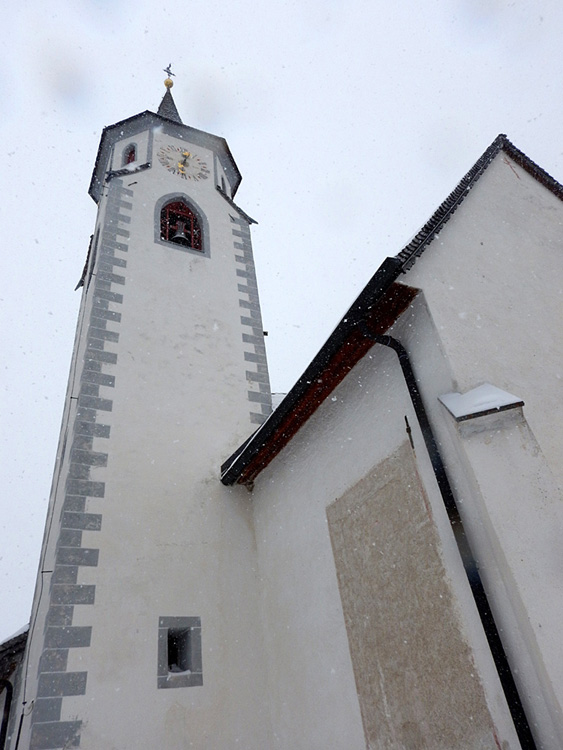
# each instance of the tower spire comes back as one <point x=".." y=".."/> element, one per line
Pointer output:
<point x="167" y="106"/>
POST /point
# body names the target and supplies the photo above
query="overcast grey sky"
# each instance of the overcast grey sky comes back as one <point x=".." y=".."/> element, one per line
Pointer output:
<point x="349" y="122"/>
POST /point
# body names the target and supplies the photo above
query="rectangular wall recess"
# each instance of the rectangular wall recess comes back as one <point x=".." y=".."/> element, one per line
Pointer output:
<point x="179" y="652"/>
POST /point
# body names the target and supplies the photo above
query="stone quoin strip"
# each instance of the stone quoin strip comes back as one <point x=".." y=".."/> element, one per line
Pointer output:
<point x="55" y="682"/>
<point x="259" y="392"/>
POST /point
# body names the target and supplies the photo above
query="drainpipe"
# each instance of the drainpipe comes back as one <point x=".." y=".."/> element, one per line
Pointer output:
<point x="469" y="563"/>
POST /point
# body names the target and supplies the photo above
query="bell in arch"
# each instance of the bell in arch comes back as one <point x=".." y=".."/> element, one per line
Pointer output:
<point x="180" y="235"/>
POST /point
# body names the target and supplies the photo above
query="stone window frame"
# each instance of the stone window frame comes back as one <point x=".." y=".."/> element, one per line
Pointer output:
<point x="191" y="678"/>
<point x="175" y="216"/>
<point x="130" y="148"/>
<point x="200" y="216"/>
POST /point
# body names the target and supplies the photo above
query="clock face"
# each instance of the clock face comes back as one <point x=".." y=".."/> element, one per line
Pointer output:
<point x="182" y="162"/>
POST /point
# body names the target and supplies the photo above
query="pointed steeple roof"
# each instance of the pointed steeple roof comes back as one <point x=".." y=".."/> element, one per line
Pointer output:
<point x="170" y="122"/>
<point x="168" y="109"/>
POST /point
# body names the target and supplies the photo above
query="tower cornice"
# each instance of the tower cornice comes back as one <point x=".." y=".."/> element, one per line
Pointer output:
<point x="145" y="120"/>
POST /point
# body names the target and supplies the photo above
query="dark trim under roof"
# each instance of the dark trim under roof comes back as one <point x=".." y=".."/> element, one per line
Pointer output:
<point x="238" y="209"/>
<point x="377" y="306"/>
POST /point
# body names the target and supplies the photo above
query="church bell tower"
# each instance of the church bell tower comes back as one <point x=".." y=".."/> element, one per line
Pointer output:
<point x="144" y="630"/>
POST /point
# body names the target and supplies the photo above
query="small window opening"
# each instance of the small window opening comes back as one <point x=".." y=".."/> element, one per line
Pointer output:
<point x="179" y="650"/>
<point x="223" y="184"/>
<point x="179" y="224"/>
<point x="129" y="155"/>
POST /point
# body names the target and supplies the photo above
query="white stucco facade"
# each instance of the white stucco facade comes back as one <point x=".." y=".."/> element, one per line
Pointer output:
<point x="350" y="435"/>
<point x="488" y="311"/>
<point x="497" y="308"/>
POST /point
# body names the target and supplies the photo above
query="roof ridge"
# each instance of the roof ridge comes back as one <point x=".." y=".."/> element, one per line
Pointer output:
<point x="441" y="216"/>
<point x="533" y="169"/>
<point x="408" y="255"/>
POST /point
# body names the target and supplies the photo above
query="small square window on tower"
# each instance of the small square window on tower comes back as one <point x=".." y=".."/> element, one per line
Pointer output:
<point x="179" y="652"/>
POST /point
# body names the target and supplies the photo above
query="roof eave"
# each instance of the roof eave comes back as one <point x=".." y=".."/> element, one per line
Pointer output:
<point x="312" y="388"/>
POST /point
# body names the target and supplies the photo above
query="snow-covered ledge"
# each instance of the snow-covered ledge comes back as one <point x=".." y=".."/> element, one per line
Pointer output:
<point x="485" y="399"/>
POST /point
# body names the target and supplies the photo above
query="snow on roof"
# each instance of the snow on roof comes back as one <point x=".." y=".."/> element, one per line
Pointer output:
<point x="485" y="399"/>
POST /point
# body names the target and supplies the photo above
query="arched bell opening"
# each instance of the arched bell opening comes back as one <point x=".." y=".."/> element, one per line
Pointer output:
<point x="180" y="225"/>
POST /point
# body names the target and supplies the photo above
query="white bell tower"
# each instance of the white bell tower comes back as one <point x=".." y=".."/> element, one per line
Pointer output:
<point x="145" y="626"/>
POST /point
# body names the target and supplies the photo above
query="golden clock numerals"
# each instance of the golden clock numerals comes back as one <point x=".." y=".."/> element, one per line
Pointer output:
<point x="183" y="163"/>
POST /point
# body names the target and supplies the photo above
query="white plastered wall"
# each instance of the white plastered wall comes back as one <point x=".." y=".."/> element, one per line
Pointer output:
<point x="311" y="682"/>
<point x="493" y="281"/>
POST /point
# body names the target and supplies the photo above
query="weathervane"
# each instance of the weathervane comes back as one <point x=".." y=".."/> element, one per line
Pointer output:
<point x="169" y="82"/>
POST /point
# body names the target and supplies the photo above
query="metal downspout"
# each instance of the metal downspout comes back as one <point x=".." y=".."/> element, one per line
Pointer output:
<point x="512" y="696"/>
